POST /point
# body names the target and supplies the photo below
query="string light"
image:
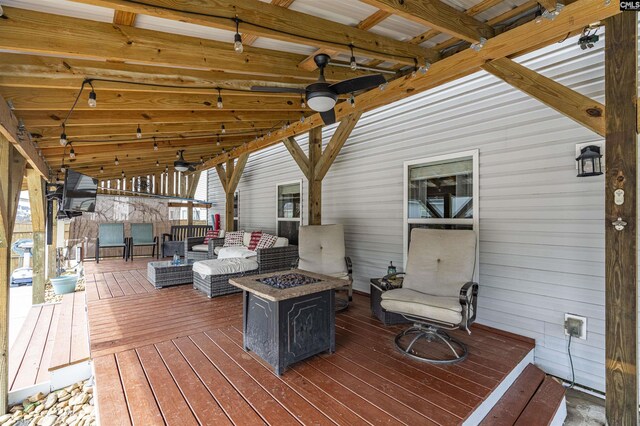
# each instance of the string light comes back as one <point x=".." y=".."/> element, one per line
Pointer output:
<point x="302" y="103"/>
<point x="352" y="62"/>
<point x="166" y="169"/>
<point x="63" y="168"/>
<point x="219" y="104"/>
<point x="1" y="11"/>
<point x="352" y="101"/>
<point x="218" y="142"/>
<point x="72" y="153"/>
<point x="157" y="163"/>
<point x="302" y="118"/>
<point x="177" y="154"/>
<point x="223" y="129"/>
<point x="63" y="137"/>
<point x="122" y="174"/>
<point x="92" y="99"/>
<point x="237" y="39"/>
<point x="101" y="169"/>
<point x="155" y="144"/>
<point x="139" y="132"/>
<point x="117" y="161"/>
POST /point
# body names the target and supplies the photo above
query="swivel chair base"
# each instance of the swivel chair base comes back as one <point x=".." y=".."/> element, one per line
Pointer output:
<point x="407" y="339"/>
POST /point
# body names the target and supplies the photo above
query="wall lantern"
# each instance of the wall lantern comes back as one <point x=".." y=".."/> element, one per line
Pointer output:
<point x="589" y="161"/>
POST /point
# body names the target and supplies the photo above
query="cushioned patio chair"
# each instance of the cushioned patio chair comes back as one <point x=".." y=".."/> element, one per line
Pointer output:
<point x="173" y="242"/>
<point x="111" y="235"/>
<point x="142" y="236"/>
<point x="321" y="250"/>
<point x="438" y="293"/>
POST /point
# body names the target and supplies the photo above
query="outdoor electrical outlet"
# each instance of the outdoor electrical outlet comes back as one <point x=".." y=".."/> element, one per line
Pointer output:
<point x="575" y="326"/>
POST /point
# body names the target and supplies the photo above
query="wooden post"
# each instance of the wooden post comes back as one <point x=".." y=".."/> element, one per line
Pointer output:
<point x="189" y="213"/>
<point x="51" y="249"/>
<point x="315" y="185"/>
<point x="170" y="181"/>
<point x="12" y="166"/>
<point x="230" y="192"/>
<point x="621" y="248"/>
<point x="36" y="200"/>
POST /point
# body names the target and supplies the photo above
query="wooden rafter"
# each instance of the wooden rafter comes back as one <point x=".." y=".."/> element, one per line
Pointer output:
<point x="298" y="155"/>
<point x="335" y="145"/>
<point x="121" y="17"/>
<point x="249" y="39"/>
<point x="267" y="20"/>
<point x="572" y="104"/>
<point x="509" y="43"/>
<point x="439" y="16"/>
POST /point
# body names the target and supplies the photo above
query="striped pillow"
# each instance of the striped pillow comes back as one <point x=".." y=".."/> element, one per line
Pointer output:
<point x="211" y="234"/>
<point x="266" y="241"/>
<point x="255" y="239"/>
<point x="233" y="239"/>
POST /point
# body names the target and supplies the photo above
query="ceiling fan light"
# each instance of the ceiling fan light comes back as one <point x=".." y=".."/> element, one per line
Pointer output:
<point x="321" y="101"/>
<point x="181" y="167"/>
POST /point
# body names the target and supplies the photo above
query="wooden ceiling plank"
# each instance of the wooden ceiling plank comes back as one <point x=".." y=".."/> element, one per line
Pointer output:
<point x="120" y="17"/>
<point x="249" y="39"/>
<point x="574" y="16"/>
<point x="439" y="16"/>
<point x="579" y="108"/>
<point x="267" y="20"/>
<point x="35" y="32"/>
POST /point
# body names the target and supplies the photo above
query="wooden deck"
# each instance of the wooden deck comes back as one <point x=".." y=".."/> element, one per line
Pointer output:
<point x="173" y="356"/>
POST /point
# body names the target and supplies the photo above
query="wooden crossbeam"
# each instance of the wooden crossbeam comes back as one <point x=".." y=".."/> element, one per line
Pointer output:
<point x="222" y="175"/>
<point x="335" y="145"/>
<point x="267" y="20"/>
<point x="510" y="43"/>
<point x="437" y="15"/>
<point x="570" y="103"/>
<point x="121" y="17"/>
<point x="35" y="32"/>
<point x="232" y="185"/>
<point x="298" y="155"/>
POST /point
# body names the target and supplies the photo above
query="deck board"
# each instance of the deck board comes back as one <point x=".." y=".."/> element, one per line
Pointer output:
<point x="71" y="344"/>
<point x="177" y="355"/>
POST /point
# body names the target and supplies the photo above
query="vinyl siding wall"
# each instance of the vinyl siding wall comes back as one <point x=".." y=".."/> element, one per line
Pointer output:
<point x="541" y="227"/>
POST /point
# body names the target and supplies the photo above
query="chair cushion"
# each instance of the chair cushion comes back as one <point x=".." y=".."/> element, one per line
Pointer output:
<point x="210" y="235"/>
<point x="233" y="252"/>
<point x="224" y="266"/>
<point x="440" y="308"/>
<point x="217" y="249"/>
<point x="233" y="239"/>
<point x="200" y="247"/>
<point x="321" y="250"/>
<point x="281" y="242"/>
<point x="246" y="239"/>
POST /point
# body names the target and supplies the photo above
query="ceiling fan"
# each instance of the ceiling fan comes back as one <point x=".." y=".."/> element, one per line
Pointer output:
<point x="322" y="96"/>
<point x="181" y="165"/>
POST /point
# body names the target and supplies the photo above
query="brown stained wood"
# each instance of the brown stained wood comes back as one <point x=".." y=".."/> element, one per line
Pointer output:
<point x="43" y="371"/>
<point x="61" y="355"/>
<point x="249" y="39"/>
<point x="175" y="409"/>
<point x="334" y="146"/>
<point x="109" y="393"/>
<point x="544" y="404"/>
<point x="238" y="410"/>
<point x="232" y="185"/>
<point x="514" y="401"/>
<point x="315" y="185"/>
<point x="203" y="405"/>
<point x="621" y="261"/>
<point x="579" y="108"/>
<point x="141" y="402"/>
<point x="124" y="18"/>
<point x="32" y="361"/>
<point x="271" y="411"/>
<point x="297" y="154"/>
<point x="37" y="203"/>
<point x="575" y="16"/>
<point x="79" y="340"/>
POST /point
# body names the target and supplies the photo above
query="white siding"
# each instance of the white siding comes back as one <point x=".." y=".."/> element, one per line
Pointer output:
<point x="541" y="227"/>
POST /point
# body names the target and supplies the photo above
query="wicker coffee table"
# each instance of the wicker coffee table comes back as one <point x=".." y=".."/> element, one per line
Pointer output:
<point x="164" y="273"/>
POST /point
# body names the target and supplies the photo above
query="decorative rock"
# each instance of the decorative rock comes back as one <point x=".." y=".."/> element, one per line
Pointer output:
<point x="29" y="408"/>
<point x="64" y="398"/>
<point x="5" y="417"/>
<point x="51" y="400"/>
<point x="38" y="409"/>
<point x="87" y="408"/>
<point x="48" y="421"/>
<point x="71" y="419"/>
<point x="37" y="397"/>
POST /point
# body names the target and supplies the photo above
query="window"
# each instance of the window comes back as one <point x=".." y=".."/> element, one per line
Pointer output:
<point x="289" y="206"/>
<point x="236" y="211"/>
<point x="441" y="192"/>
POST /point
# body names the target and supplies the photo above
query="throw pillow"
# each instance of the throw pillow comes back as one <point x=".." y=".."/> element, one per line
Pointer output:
<point x="233" y="239"/>
<point x="255" y="239"/>
<point x="266" y="241"/>
<point x="211" y="234"/>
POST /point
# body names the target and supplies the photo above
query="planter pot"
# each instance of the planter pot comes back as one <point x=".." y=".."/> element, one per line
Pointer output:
<point x="64" y="284"/>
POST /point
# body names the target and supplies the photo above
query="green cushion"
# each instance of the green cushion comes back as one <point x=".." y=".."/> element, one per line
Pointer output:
<point x="111" y="234"/>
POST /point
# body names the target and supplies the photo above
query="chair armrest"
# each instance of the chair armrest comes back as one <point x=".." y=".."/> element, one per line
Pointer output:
<point x="469" y="300"/>
<point x="167" y="236"/>
<point x="276" y="258"/>
<point x="213" y="243"/>
<point x="347" y="260"/>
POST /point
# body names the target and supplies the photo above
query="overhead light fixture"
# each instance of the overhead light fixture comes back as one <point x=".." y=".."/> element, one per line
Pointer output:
<point x="116" y="161"/>
<point x="352" y="63"/>
<point x="302" y="103"/>
<point x="72" y="153"/>
<point x="139" y="132"/>
<point x="589" y="37"/>
<point x="101" y="169"/>
<point x="589" y="161"/>
<point x="92" y="99"/>
<point x="63" y="137"/>
<point x="223" y="129"/>
<point x="237" y="39"/>
<point x="352" y="101"/>
<point x="219" y="103"/>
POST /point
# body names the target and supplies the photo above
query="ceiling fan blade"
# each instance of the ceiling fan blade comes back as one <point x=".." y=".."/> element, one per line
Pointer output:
<point x="329" y="117"/>
<point x="192" y="168"/>
<point x="274" y="89"/>
<point x="358" y="83"/>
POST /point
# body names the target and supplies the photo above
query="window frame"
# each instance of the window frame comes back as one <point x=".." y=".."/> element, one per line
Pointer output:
<point x="292" y="219"/>
<point x="474" y="222"/>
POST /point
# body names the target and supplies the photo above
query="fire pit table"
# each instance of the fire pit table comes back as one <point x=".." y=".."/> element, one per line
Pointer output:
<point x="288" y="316"/>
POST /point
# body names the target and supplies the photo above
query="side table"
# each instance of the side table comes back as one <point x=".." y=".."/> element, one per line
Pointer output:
<point x="387" y="318"/>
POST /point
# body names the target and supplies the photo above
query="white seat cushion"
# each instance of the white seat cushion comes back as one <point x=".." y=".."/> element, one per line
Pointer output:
<point x="217" y="249"/>
<point x="281" y="242"/>
<point x="200" y="247"/>
<point x="233" y="252"/>
<point x="224" y="266"/>
<point x="445" y="309"/>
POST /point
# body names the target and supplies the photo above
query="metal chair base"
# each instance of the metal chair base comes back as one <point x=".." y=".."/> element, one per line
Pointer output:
<point x="432" y="335"/>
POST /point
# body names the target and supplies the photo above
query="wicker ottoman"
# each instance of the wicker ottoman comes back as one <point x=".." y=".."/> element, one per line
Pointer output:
<point x="217" y="284"/>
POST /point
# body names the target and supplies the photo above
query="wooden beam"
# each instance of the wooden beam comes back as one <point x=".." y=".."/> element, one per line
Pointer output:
<point x="437" y="15"/>
<point x="579" y="108"/>
<point x="315" y="185"/>
<point x="222" y="174"/>
<point x="229" y="195"/>
<point x="336" y="143"/>
<point x="121" y="17"/>
<point x="249" y="39"/>
<point x="10" y="129"/>
<point x="193" y="184"/>
<point x="35" y="32"/>
<point x="298" y="155"/>
<point x="275" y="22"/>
<point x="510" y="43"/>
<point x="237" y="172"/>
<point x="621" y="246"/>
<point x="37" y="202"/>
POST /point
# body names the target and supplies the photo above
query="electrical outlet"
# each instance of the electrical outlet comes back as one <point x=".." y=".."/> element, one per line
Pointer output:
<point x="575" y="326"/>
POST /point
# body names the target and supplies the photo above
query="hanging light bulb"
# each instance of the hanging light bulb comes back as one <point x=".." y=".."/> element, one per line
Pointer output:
<point x="63" y="137"/>
<point x="218" y="142"/>
<point x="166" y="168"/>
<point x="219" y="104"/>
<point x="122" y="174"/>
<point x="269" y="133"/>
<point x="237" y="39"/>
<point x="117" y="161"/>
<point x="157" y="163"/>
<point x="139" y="132"/>
<point x="352" y="101"/>
<point x="155" y="145"/>
<point x="177" y="154"/>
<point x="302" y="103"/>
<point x="101" y="169"/>
<point x="72" y="153"/>
<point x="202" y="160"/>
<point x="302" y="118"/>
<point x="223" y="130"/>
<point x="353" y="64"/>
<point x="92" y="99"/>
<point x="63" y="169"/>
